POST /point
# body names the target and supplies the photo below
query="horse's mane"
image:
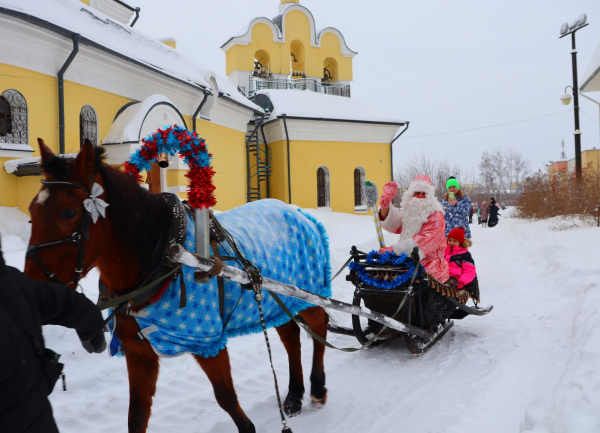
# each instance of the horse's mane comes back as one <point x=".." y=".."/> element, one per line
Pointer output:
<point x="138" y="216"/>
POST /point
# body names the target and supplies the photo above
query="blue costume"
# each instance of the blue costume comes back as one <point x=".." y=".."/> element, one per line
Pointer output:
<point x="458" y="216"/>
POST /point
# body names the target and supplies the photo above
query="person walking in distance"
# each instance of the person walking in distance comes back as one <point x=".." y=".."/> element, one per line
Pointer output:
<point x="485" y="213"/>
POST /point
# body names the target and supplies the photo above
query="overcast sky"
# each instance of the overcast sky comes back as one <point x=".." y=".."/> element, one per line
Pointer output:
<point x="445" y="66"/>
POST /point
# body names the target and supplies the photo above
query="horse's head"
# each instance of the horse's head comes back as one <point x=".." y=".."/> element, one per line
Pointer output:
<point x="65" y="240"/>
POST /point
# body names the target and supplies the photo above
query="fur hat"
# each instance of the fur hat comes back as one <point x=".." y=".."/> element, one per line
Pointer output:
<point x="421" y="183"/>
<point x="458" y="234"/>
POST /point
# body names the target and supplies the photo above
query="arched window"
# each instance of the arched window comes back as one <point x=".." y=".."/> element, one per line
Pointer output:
<point x="330" y="70"/>
<point x="359" y="181"/>
<point x="323" y="199"/>
<point x="262" y="64"/>
<point x="5" y="118"/>
<point x="13" y="118"/>
<point x="88" y="125"/>
<point x="297" y="59"/>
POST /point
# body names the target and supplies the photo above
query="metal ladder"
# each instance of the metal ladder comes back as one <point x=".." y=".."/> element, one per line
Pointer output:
<point x="259" y="161"/>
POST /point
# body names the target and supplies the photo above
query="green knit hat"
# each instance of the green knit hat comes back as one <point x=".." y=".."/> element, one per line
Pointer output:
<point x="452" y="182"/>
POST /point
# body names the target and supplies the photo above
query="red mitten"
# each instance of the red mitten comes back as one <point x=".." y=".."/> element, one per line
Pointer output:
<point x="385" y="249"/>
<point x="390" y="190"/>
<point x="460" y="285"/>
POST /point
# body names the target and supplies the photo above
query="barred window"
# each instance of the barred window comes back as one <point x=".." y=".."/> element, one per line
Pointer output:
<point x="323" y="199"/>
<point x="359" y="180"/>
<point x="88" y="125"/>
<point x="13" y="118"/>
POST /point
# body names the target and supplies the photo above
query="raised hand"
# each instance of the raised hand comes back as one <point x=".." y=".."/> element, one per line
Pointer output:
<point x="390" y="190"/>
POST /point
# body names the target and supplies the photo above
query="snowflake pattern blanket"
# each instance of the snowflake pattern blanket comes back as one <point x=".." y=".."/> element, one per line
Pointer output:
<point x="287" y="244"/>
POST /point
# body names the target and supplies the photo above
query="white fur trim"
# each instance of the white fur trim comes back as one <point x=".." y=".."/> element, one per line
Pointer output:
<point x="392" y="221"/>
<point x="405" y="246"/>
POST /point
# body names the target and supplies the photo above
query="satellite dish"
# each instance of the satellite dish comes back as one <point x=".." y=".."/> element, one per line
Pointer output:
<point x="264" y="102"/>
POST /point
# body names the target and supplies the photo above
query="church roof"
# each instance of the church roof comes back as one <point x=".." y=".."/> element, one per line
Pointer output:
<point x="100" y="31"/>
<point x="311" y="105"/>
<point x="591" y="77"/>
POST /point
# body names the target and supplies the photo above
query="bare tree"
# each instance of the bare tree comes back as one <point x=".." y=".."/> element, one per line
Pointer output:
<point x="438" y="171"/>
<point x="502" y="172"/>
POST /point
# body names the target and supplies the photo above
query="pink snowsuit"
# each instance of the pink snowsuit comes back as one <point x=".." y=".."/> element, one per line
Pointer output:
<point x="461" y="265"/>
<point x="431" y="241"/>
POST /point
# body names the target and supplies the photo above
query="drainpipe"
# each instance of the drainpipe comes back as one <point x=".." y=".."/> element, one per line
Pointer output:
<point x="206" y="93"/>
<point x="287" y="136"/>
<point x="392" y="149"/>
<point x="137" y="15"/>
<point x="132" y="9"/>
<point x="61" y="93"/>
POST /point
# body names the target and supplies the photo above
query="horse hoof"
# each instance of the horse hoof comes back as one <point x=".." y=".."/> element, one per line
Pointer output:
<point x="292" y="407"/>
<point x="319" y="401"/>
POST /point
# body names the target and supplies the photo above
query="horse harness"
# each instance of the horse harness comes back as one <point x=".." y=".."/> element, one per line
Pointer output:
<point x="79" y="237"/>
<point x="149" y="286"/>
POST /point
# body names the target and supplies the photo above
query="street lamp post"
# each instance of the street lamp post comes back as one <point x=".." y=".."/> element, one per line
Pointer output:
<point x="570" y="29"/>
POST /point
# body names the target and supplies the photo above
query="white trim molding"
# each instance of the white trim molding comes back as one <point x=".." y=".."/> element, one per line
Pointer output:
<point x="277" y="26"/>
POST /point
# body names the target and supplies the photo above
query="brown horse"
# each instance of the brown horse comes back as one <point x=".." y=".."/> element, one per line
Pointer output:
<point x="122" y="246"/>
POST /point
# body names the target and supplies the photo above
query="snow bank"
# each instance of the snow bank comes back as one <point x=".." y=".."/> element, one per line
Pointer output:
<point x="14" y="229"/>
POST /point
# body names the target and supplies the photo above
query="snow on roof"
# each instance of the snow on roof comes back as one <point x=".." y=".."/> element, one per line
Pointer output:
<point x="591" y="77"/>
<point x="97" y="27"/>
<point x="91" y="24"/>
<point x="306" y="103"/>
<point x="230" y="90"/>
<point x="13" y="164"/>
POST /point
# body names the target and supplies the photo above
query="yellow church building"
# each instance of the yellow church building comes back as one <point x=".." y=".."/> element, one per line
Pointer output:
<point x="282" y="124"/>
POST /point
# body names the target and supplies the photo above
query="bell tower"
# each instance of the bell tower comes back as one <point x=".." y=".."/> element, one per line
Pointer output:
<point x="288" y="53"/>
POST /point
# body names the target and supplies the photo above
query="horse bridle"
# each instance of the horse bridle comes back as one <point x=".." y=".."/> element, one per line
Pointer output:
<point x="79" y="237"/>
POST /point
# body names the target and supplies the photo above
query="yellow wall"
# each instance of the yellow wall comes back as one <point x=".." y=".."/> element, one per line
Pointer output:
<point x="308" y="156"/>
<point x="297" y="28"/>
<point x="41" y="94"/>
<point x="591" y="159"/>
<point x="228" y="148"/>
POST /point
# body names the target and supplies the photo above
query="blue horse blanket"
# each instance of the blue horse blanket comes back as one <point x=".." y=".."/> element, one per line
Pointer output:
<point x="287" y="244"/>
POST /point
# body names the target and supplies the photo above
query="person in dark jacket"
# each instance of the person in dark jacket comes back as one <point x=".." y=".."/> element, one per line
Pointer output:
<point x="28" y="371"/>
<point x="493" y="219"/>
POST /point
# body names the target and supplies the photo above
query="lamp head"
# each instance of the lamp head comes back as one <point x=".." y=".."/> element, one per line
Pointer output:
<point x="566" y="98"/>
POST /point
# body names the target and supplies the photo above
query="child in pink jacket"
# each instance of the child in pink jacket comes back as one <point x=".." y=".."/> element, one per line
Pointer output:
<point x="460" y="263"/>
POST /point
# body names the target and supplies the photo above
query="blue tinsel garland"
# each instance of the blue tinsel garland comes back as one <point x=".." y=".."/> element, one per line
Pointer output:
<point x="387" y="257"/>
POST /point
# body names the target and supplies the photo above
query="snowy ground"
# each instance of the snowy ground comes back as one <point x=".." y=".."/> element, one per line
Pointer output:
<point x="531" y="365"/>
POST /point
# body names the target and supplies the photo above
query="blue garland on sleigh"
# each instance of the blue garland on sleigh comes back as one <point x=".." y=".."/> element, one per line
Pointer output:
<point x="386" y="258"/>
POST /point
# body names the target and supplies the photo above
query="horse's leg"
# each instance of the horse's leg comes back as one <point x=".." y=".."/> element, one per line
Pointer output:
<point x="142" y="367"/>
<point x="218" y="371"/>
<point x="290" y="337"/>
<point x="317" y="320"/>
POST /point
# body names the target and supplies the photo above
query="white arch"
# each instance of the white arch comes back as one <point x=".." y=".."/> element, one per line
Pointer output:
<point x="136" y="121"/>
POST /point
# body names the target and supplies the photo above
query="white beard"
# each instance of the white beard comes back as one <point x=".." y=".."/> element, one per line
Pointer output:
<point x="415" y="212"/>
